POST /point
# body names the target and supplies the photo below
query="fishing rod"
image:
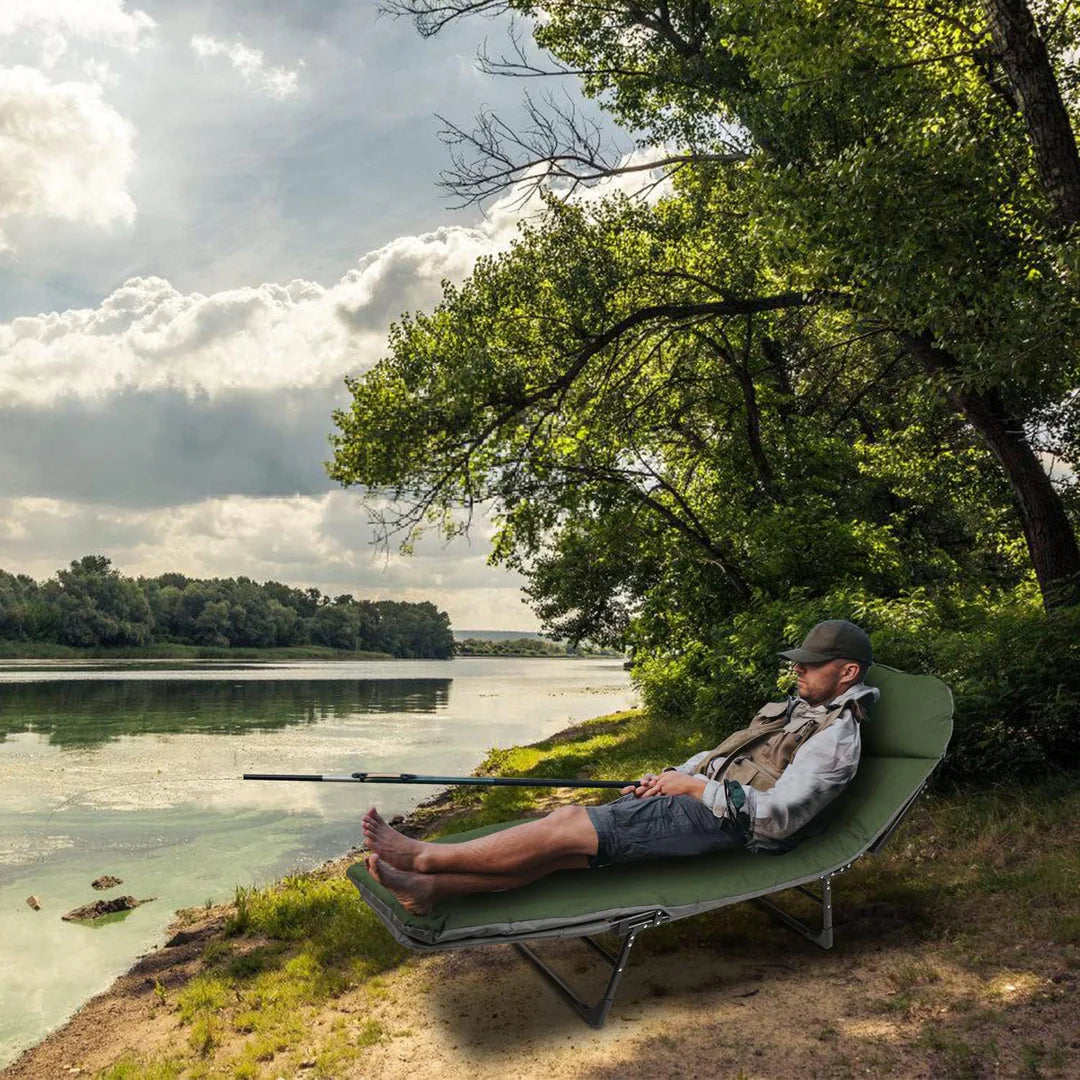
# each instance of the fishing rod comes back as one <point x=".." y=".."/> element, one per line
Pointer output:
<point x="413" y="778"/>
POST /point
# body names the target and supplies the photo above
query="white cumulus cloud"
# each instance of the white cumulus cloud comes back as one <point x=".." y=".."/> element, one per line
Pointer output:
<point x="147" y="336"/>
<point x="64" y="152"/>
<point x="278" y="83"/>
<point x="109" y="22"/>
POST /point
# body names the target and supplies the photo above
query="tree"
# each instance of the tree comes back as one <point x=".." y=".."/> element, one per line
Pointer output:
<point x="688" y="455"/>
<point x="335" y="626"/>
<point x="907" y="171"/>
<point x="21" y="610"/>
<point x="99" y="607"/>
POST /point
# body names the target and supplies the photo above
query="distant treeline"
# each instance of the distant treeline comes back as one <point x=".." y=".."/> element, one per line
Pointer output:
<point x="521" y="646"/>
<point x="525" y="646"/>
<point x="92" y="605"/>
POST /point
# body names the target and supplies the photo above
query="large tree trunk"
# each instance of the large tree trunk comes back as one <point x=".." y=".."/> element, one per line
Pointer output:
<point x="1049" y="533"/>
<point x="1023" y="56"/>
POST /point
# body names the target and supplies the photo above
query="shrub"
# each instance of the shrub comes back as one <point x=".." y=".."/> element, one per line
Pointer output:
<point x="1014" y="672"/>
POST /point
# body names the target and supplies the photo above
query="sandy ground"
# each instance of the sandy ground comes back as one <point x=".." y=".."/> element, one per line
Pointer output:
<point x="882" y="1003"/>
<point x="888" y="1000"/>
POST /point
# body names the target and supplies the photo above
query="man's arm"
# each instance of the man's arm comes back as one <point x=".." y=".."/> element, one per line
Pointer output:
<point x="820" y="770"/>
<point x="690" y="767"/>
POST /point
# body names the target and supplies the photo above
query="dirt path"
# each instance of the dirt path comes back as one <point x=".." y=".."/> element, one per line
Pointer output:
<point x="967" y="990"/>
<point x="883" y="1003"/>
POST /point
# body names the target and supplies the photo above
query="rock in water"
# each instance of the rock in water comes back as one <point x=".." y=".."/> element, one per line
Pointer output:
<point x="103" y="907"/>
<point x="106" y="881"/>
<point x="34" y="902"/>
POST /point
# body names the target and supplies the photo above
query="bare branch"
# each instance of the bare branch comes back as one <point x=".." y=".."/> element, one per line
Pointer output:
<point x="430" y="16"/>
<point x="556" y="144"/>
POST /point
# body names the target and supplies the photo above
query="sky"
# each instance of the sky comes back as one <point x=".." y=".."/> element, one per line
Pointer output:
<point x="210" y="213"/>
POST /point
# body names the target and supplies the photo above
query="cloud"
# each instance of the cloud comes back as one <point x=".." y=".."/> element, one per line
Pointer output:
<point x="275" y="82"/>
<point x="176" y="430"/>
<point x="148" y="336"/>
<point x="321" y="540"/>
<point x="64" y="152"/>
<point x="105" y="21"/>
<point x="163" y="447"/>
<point x="158" y="397"/>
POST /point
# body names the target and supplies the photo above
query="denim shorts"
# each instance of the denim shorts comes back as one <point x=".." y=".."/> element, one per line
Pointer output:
<point x="658" y="827"/>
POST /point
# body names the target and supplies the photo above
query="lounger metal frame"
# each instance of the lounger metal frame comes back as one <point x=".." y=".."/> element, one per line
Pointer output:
<point x="628" y="929"/>
<point x="893" y="738"/>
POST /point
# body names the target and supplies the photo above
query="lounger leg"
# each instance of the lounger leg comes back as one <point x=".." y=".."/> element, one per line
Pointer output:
<point x="822" y="937"/>
<point x="593" y="1015"/>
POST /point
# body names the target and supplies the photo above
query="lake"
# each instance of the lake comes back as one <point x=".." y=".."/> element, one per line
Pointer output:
<point x="133" y="770"/>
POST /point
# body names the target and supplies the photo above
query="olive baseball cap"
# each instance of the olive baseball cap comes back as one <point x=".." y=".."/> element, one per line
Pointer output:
<point x="834" y="639"/>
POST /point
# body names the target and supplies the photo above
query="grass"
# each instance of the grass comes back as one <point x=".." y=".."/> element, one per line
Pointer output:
<point x="616" y="747"/>
<point x="290" y="951"/>
<point x="956" y="1058"/>
<point x="984" y="883"/>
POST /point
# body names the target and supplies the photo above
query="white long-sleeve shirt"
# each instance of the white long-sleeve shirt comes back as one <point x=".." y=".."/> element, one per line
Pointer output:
<point x="821" y="768"/>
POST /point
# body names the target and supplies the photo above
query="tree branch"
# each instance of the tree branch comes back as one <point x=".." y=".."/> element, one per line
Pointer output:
<point x="556" y="144"/>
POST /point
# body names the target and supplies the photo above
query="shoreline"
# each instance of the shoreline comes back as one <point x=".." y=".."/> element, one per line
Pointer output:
<point x="963" y="931"/>
<point x="166" y="651"/>
<point x="177" y="960"/>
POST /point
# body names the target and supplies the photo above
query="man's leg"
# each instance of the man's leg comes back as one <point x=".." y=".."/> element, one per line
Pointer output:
<point x="419" y="892"/>
<point x="535" y="845"/>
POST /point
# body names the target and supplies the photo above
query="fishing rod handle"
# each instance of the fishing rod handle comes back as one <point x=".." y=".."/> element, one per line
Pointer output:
<point x="302" y="776"/>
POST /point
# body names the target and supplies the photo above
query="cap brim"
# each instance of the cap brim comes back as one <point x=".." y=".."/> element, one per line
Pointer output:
<point x="804" y="656"/>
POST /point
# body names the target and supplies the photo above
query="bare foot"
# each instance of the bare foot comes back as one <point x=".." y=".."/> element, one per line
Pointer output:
<point x="397" y="850"/>
<point x="415" y="892"/>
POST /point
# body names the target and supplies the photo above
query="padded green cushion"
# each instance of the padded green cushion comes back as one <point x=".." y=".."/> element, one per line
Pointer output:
<point x="571" y="903"/>
<point x="912" y="718"/>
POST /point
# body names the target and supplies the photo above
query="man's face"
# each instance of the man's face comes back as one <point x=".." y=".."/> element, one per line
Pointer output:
<point x="819" y="683"/>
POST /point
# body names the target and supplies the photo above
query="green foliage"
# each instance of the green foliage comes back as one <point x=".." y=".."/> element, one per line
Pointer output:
<point x="509" y="647"/>
<point x="1015" y="675"/>
<point x="96" y="606"/>
<point x="808" y="380"/>
<point x="523" y="646"/>
<point x="92" y="606"/>
<point x="673" y="467"/>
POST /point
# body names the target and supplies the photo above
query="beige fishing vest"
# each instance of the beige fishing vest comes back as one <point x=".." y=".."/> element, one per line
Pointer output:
<point x="757" y="755"/>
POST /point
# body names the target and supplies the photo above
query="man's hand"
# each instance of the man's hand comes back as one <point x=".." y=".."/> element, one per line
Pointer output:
<point x="667" y="783"/>
<point x="640" y="788"/>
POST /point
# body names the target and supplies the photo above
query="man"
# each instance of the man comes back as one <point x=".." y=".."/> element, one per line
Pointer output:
<point x="764" y="788"/>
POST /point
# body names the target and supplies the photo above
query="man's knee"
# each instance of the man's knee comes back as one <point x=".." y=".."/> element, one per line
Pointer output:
<point x="573" y="826"/>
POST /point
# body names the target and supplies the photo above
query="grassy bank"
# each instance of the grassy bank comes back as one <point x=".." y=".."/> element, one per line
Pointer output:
<point x="30" y="650"/>
<point x="975" y="901"/>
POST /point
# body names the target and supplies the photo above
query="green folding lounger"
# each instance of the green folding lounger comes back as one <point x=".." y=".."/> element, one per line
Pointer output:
<point x="903" y="741"/>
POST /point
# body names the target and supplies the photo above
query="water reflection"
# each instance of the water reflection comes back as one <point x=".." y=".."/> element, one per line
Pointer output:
<point x="169" y="814"/>
<point x="81" y="713"/>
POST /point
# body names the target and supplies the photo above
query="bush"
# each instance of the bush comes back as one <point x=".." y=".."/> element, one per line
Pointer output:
<point x="1014" y="672"/>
